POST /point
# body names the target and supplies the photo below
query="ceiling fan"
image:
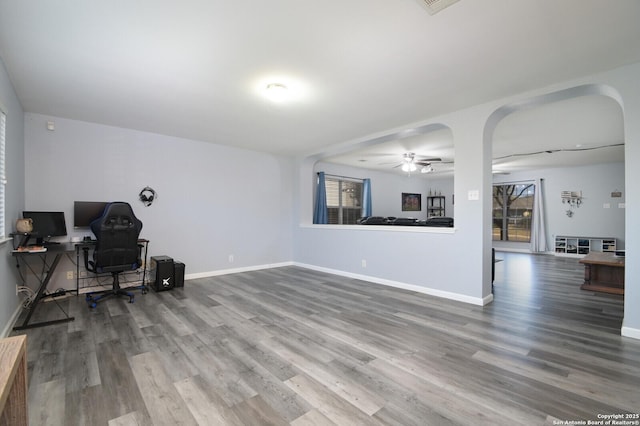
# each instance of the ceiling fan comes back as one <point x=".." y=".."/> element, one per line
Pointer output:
<point x="410" y="163"/>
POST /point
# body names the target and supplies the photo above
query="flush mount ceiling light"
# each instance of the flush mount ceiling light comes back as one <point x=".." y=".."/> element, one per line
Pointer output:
<point x="277" y="92"/>
<point x="281" y="89"/>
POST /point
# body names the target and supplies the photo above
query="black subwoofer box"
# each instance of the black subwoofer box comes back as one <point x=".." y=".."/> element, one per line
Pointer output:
<point x="164" y="278"/>
<point x="178" y="274"/>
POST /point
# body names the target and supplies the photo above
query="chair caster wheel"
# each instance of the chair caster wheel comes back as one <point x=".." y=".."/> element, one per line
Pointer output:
<point x="93" y="305"/>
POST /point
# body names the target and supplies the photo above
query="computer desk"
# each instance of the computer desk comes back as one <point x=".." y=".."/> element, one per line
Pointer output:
<point x="56" y="251"/>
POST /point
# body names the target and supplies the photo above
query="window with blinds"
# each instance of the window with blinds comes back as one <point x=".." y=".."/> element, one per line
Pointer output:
<point x="344" y="200"/>
<point x="3" y="176"/>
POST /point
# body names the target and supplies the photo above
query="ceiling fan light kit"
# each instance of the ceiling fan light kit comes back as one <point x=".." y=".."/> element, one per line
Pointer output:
<point x="409" y="167"/>
<point x="410" y="164"/>
<point x="427" y="169"/>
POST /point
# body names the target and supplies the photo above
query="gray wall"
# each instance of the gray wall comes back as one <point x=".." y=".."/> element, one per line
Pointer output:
<point x="458" y="264"/>
<point x="213" y="201"/>
<point x="591" y="219"/>
<point x="451" y="263"/>
<point x="14" y="201"/>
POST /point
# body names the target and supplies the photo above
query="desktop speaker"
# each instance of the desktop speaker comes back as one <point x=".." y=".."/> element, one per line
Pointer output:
<point x="164" y="277"/>
<point x="178" y="274"/>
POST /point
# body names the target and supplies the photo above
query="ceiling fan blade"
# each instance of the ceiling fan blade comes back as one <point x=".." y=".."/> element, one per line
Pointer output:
<point x="429" y="160"/>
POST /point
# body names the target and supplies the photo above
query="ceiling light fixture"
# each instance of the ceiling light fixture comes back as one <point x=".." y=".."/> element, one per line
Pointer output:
<point x="277" y="92"/>
<point x="409" y="167"/>
<point x="280" y="88"/>
<point x="427" y="169"/>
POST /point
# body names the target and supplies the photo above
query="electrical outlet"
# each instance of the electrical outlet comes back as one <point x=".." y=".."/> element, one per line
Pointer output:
<point x="230" y="258"/>
<point x="364" y="263"/>
<point x="69" y="275"/>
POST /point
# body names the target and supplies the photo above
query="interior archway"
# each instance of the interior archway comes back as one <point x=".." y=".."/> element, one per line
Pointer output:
<point x="574" y="140"/>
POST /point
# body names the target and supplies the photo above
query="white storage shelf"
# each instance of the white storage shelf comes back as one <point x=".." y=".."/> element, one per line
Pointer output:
<point x="582" y="246"/>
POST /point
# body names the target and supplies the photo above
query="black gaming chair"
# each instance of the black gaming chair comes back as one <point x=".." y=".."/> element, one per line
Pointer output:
<point x="117" y="249"/>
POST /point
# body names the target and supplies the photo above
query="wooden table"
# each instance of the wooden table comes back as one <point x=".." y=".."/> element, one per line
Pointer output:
<point x="13" y="381"/>
<point x="603" y="272"/>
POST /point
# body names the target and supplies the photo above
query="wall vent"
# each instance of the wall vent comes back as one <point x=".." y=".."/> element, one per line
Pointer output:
<point x="435" y="6"/>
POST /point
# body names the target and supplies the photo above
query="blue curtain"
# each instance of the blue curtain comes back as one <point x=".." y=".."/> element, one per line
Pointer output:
<point x="366" y="197"/>
<point x="320" y="213"/>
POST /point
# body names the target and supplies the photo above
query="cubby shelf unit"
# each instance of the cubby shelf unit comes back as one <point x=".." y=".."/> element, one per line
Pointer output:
<point x="582" y="246"/>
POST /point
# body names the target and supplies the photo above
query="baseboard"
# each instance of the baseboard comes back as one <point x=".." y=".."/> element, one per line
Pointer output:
<point x="512" y="250"/>
<point x="7" y="328"/>
<point x="390" y="283"/>
<point x="487" y="299"/>
<point x="397" y="284"/>
<point x="236" y="270"/>
<point x="633" y="333"/>
<point x="522" y="250"/>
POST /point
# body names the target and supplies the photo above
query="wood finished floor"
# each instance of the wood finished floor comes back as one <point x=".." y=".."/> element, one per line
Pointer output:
<point x="299" y="347"/>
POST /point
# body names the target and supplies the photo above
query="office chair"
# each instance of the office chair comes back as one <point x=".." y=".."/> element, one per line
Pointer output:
<point x="117" y="249"/>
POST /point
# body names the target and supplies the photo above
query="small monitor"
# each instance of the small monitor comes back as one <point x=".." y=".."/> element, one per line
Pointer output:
<point x="46" y="224"/>
<point x="85" y="212"/>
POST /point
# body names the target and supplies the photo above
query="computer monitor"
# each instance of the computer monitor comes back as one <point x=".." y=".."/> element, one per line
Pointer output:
<point x="85" y="212"/>
<point x="46" y="225"/>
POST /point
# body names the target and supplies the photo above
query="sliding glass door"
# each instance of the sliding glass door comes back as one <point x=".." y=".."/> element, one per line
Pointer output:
<point x="513" y="212"/>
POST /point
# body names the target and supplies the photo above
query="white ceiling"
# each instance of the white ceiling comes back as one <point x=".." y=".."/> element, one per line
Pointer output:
<point x="194" y="68"/>
<point x="574" y="132"/>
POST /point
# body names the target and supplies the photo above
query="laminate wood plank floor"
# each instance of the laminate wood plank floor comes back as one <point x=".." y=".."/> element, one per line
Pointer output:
<point x="291" y="346"/>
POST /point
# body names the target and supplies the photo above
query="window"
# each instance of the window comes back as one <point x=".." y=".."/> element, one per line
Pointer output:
<point x="344" y="200"/>
<point x="3" y="176"/>
<point x="513" y="212"/>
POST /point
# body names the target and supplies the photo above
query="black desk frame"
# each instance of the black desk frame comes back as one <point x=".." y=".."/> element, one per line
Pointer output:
<point x="58" y="251"/>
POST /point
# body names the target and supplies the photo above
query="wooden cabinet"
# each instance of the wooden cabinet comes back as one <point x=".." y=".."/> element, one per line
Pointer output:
<point x="582" y="246"/>
<point x="13" y="381"/>
<point x="435" y="206"/>
<point x="603" y="272"/>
